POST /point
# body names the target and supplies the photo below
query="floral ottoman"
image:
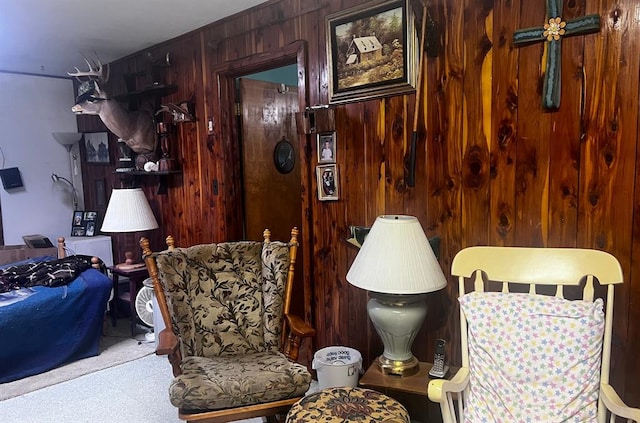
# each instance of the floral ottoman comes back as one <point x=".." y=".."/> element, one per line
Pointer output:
<point x="347" y="404"/>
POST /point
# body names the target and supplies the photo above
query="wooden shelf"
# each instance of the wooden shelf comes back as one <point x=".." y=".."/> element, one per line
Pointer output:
<point x="136" y="175"/>
<point x="143" y="173"/>
<point x="154" y="90"/>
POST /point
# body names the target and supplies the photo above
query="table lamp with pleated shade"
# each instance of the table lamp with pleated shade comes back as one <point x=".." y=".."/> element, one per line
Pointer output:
<point x="398" y="267"/>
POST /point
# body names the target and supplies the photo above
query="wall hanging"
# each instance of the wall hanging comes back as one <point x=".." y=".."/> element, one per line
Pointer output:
<point x="327" y="179"/>
<point x="552" y="33"/>
<point x="371" y="51"/>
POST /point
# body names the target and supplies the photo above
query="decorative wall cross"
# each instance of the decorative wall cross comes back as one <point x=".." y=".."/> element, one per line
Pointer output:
<point x="552" y="33"/>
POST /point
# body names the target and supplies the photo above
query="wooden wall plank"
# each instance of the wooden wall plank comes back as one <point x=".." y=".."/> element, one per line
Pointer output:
<point x="607" y="176"/>
<point x="532" y="150"/>
<point x="445" y="76"/>
<point x="504" y="120"/>
<point x="353" y="146"/>
<point x="476" y="121"/>
<point x="395" y="141"/>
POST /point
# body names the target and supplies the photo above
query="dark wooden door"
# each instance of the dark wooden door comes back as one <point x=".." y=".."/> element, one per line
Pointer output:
<point x="272" y="199"/>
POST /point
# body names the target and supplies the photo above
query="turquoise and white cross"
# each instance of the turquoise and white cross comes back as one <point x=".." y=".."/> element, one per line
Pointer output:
<point x="553" y="32"/>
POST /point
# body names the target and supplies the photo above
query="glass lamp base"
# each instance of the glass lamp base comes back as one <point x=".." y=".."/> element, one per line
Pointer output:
<point x="398" y="368"/>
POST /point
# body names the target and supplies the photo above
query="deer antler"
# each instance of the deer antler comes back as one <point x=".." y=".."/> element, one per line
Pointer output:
<point x="100" y="72"/>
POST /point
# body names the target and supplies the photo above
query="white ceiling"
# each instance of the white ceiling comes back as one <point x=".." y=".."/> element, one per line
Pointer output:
<point x="49" y="37"/>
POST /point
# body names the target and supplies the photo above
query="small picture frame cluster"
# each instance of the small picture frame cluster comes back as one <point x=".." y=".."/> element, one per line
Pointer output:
<point x="84" y="223"/>
<point x="327" y="171"/>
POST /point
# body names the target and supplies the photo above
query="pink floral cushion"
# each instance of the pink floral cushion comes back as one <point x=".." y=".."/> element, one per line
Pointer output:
<point x="532" y="357"/>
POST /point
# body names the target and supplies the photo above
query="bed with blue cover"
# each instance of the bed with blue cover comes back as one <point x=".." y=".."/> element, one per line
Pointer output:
<point x="43" y="327"/>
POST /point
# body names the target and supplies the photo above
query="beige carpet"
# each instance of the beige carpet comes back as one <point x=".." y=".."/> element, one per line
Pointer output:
<point x="116" y="347"/>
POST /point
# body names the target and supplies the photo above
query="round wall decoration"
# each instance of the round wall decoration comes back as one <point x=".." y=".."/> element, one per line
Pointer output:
<point x="284" y="156"/>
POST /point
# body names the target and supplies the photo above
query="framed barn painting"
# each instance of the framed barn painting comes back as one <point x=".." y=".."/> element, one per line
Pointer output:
<point x="371" y="51"/>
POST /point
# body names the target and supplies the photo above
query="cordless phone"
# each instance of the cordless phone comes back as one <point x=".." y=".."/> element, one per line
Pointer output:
<point x="439" y="369"/>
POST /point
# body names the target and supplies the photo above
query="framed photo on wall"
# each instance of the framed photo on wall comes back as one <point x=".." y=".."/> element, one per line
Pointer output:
<point x="84" y="223"/>
<point x="371" y="51"/>
<point x="326" y="147"/>
<point x="327" y="179"/>
<point x="97" y="147"/>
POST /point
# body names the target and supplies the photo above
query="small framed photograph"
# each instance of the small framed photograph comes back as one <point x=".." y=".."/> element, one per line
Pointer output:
<point x="327" y="178"/>
<point x="97" y="147"/>
<point x="84" y="223"/>
<point x="90" y="229"/>
<point x="327" y="147"/>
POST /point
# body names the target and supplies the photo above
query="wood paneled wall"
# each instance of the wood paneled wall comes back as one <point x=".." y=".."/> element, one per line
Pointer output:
<point x="493" y="166"/>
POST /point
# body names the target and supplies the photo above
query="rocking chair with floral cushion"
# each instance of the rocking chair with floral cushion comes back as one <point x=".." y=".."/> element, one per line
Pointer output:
<point x="229" y="336"/>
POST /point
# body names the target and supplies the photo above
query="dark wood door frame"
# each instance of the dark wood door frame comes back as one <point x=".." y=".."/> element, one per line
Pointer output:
<point x="224" y="75"/>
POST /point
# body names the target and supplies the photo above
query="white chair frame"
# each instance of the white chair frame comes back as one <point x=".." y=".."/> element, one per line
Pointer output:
<point x="557" y="267"/>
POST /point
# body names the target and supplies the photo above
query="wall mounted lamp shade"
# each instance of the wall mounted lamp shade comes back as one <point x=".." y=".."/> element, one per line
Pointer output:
<point x="128" y="211"/>
<point x="398" y="267"/>
<point x="68" y="139"/>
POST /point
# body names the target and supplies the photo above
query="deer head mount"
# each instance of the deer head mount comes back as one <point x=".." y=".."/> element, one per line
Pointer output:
<point x="136" y="128"/>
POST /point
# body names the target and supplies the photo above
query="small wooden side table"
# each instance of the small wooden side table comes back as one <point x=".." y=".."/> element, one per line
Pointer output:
<point x="136" y="277"/>
<point x="408" y="386"/>
<point x="414" y="384"/>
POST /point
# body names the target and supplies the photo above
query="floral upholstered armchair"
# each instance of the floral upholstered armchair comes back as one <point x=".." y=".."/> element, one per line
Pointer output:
<point x="229" y="335"/>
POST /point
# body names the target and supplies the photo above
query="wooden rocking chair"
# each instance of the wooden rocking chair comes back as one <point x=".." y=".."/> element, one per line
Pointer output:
<point x="229" y="336"/>
<point x="532" y="357"/>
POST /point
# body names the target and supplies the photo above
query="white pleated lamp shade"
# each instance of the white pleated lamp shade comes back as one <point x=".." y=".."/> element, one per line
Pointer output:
<point x="128" y="211"/>
<point x="396" y="258"/>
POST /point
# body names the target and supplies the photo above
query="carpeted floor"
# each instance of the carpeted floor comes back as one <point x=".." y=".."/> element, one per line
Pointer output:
<point x="116" y="347"/>
<point x="132" y="392"/>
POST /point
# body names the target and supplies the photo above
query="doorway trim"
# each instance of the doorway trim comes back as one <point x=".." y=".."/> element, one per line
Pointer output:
<point x="224" y="75"/>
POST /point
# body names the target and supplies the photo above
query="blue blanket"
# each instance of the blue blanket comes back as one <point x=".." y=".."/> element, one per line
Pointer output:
<point x="52" y="326"/>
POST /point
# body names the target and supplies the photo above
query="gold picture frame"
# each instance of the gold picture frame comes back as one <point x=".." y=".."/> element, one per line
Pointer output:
<point x="381" y="63"/>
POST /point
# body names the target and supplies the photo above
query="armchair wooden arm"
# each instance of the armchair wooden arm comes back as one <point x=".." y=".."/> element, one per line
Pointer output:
<point x="439" y="388"/>
<point x="443" y="392"/>
<point x="169" y="345"/>
<point x="298" y="329"/>
<point x="615" y="405"/>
